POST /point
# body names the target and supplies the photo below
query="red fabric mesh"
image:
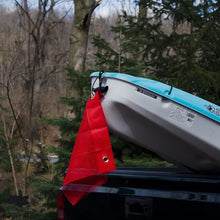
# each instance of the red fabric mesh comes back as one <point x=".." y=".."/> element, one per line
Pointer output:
<point x="92" y="154"/>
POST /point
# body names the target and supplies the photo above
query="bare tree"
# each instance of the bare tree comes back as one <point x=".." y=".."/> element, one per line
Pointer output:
<point x="31" y="50"/>
<point x="10" y="119"/>
<point x="8" y="138"/>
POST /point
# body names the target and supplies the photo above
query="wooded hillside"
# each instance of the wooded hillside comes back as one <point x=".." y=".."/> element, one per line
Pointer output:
<point x="47" y="54"/>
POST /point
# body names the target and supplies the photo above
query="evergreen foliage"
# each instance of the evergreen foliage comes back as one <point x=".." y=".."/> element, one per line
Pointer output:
<point x="26" y="212"/>
<point x="69" y="125"/>
<point x="187" y="56"/>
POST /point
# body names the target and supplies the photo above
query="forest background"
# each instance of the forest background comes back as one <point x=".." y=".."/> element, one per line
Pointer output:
<point x="48" y="49"/>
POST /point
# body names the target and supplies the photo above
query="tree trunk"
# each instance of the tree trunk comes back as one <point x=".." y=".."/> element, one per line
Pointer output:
<point x="142" y="10"/>
<point x="27" y="25"/>
<point x="80" y="30"/>
<point x="10" y="156"/>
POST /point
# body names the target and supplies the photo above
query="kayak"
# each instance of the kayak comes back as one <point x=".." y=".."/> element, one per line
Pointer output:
<point x="178" y="126"/>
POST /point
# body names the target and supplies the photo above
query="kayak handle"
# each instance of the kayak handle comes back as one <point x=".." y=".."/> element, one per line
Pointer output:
<point x="101" y="89"/>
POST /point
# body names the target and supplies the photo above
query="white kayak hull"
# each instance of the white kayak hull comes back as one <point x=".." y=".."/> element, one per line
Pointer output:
<point x="173" y="131"/>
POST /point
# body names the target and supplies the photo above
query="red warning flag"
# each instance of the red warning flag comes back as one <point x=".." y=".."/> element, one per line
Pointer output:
<point x="92" y="157"/>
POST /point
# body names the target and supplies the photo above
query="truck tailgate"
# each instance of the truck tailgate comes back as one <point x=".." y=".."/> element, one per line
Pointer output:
<point x="150" y="194"/>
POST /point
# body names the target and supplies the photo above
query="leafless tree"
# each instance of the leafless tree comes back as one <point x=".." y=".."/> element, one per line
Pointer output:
<point x="32" y="49"/>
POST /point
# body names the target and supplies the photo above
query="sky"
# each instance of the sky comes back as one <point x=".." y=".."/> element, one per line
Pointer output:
<point x="114" y="6"/>
<point x="106" y="8"/>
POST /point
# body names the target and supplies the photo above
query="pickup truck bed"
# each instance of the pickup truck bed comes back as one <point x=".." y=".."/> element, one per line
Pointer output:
<point x="144" y="194"/>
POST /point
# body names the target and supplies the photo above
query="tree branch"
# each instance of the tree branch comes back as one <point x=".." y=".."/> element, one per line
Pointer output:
<point x="98" y="3"/>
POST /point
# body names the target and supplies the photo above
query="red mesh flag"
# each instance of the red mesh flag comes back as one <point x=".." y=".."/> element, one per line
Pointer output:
<point x="92" y="156"/>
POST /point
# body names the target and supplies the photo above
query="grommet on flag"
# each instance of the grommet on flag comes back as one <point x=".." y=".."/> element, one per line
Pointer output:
<point x="105" y="159"/>
<point x="92" y="157"/>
